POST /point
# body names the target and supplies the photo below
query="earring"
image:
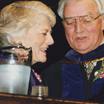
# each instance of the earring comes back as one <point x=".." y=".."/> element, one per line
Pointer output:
<point x="20" y="43"/>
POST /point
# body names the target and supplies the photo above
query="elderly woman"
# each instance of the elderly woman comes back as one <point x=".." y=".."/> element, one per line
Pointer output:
<point x="28" y="23"/>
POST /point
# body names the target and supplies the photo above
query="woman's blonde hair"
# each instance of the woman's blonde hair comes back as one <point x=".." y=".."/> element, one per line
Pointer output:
<point x="18" y="17"/>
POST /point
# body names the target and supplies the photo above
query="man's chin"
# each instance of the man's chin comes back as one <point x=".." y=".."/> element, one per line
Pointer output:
<point x="82" y="51"/>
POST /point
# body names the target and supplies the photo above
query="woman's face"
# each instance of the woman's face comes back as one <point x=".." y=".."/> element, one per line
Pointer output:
<point x="39" y="38"/>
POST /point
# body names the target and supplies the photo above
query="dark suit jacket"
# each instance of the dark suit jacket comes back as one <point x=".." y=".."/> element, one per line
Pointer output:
<point x="52" y="77"/>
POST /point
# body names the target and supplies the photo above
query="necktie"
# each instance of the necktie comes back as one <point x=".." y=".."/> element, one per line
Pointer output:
<point x="89" y="68"/>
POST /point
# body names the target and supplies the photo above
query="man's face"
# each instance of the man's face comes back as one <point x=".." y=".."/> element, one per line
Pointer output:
<point x="81" y="37"/>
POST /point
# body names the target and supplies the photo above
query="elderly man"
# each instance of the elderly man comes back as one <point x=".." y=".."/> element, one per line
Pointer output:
<point x="80" y="74"/>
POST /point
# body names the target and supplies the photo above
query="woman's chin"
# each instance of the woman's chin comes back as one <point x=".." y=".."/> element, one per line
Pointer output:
<point x="41" y="60"/>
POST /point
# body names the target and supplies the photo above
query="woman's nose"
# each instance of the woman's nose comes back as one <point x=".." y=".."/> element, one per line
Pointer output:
<point x="50" y="39"/>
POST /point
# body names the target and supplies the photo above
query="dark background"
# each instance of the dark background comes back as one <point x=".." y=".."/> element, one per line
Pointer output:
<point x="59" y="49"/>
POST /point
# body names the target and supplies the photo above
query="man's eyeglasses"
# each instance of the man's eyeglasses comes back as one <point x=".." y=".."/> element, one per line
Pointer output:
<point x="86" y="20"/>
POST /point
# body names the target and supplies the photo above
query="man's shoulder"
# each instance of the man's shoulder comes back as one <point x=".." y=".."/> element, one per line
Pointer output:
<point x="58" y="65"/>
<point x="54" y="67"/>
<point x="52" y="72"/>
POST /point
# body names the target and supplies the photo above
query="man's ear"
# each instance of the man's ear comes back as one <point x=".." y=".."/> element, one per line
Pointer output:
<point x="102" y="17"/>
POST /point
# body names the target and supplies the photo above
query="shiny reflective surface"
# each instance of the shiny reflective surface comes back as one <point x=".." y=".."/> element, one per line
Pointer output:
<point x="15" y="68"/>
<point x="41" y="91"/>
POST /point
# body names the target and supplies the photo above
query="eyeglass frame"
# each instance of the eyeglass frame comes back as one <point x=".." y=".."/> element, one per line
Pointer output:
<point x="74" y="18"/>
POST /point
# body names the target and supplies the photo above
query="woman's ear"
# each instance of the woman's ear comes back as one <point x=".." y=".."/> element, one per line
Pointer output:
<point x="16" y="41"/>
<point x="102" y="17"/>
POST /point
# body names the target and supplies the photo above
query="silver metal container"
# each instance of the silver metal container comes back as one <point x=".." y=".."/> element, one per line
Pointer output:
<point x="15" y="68"/>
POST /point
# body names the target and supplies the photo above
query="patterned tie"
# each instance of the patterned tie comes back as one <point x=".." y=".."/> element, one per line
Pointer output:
<point x="89" y="69"/>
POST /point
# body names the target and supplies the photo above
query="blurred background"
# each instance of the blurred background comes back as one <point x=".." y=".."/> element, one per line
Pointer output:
<point x="60" y="47"/>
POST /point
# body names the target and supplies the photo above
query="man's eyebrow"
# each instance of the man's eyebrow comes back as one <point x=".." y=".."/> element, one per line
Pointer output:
<point x="89" y="13"/>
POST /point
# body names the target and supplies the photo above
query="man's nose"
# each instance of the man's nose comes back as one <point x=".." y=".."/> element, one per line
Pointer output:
<point x="79" y="28"/>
